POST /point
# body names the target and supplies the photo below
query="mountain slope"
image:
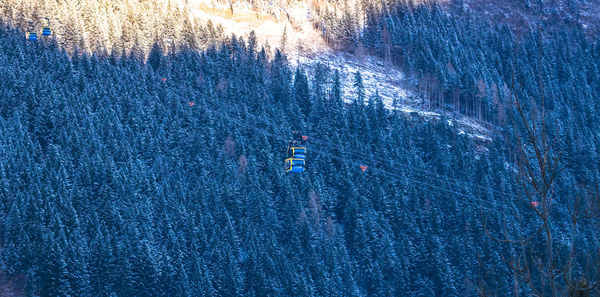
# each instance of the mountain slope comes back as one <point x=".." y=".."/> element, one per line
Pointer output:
<point x="153" y="173"/>
<point x="547" y="15"/>
<point x="125" y="187"/>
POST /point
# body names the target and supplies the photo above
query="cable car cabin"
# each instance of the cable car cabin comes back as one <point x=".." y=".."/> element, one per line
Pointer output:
<point x="46" y="31"/>
<point x="294" y="165"/>
<point x="298" y="152"/>
<point x="31" y="36"/>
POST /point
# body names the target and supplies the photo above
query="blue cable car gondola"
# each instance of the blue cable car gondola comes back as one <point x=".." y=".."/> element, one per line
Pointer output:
<point x="294" y="165"/>
<point x="296" y="161"/>
<point x="31" y="36"/>
<point x="298" y="152"/>
<point x="46" y="31"/>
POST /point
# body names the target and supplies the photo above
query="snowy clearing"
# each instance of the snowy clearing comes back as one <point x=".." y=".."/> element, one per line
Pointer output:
<point x="305" y="47"/>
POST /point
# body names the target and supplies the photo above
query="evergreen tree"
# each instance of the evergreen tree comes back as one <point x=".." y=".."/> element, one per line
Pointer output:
<point x="359" y="88"/>
<point x="302" y="92"/>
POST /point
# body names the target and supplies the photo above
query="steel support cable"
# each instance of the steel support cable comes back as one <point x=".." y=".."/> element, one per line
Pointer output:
<point x="385" y="163"/>
<point x="385" y="172"/>
<point x="381" y="171"/>
<point x="416" y="181"/>
<point x="430" y="175"/>
<point x="389" y="163"/>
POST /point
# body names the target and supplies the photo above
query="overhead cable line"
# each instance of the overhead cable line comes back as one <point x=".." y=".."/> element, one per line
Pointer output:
<point x="458" y="195"/>
<point x="387" y="163"/>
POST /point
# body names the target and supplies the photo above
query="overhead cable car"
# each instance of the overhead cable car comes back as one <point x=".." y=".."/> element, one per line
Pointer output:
<point x="46" y="31"/>
<point x="296" y="161"/>
<point x="298" y="152"/>
<point x="294" y="165"/>
<point x="31" y="36"/>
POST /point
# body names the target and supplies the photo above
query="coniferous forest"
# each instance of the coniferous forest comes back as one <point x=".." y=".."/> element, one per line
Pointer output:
<point x="162" y="174"/>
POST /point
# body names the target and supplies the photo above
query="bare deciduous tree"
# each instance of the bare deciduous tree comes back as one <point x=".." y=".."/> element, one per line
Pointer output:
<point x="545" y="268"/>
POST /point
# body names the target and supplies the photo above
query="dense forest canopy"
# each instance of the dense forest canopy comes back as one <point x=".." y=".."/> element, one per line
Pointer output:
<point x="102" y="27"/>
<point x="162" y="176"/>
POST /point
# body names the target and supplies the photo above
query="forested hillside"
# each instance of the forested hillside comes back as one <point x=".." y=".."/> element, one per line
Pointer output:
<point x="464" y="64"/>
<point x="107" y="26"/>
<point x="162" y="176"/>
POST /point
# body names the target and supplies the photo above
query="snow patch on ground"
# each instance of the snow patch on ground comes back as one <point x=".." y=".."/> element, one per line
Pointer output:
<point x="377" y="78"/>
<point x="268" y="21"/>
<point x="305" y="48"/>
<point x="389" y="82"/>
